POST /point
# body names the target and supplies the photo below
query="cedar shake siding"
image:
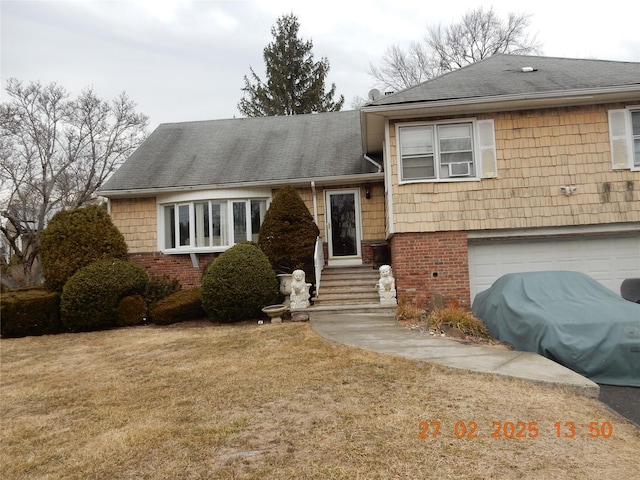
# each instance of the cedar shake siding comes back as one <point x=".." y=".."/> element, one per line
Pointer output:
<point x="136" y="218"/>
<point x="538" y="151"/>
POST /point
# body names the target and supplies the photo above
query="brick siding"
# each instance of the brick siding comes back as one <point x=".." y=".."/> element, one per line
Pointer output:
<point x="176" y="266"/>
<point x="429" y="264"/>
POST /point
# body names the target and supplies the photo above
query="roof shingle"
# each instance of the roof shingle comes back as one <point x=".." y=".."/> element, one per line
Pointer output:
<point x="257" y="149"/>
<point x="502" y="74"/>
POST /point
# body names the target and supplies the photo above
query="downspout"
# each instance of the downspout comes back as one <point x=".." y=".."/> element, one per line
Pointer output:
<point x="388" y="178"/>
<point x="371" y="160"/>
<point x="315" y="202"/>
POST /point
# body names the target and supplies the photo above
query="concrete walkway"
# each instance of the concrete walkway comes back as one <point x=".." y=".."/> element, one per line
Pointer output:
<point x="381" y="333"/>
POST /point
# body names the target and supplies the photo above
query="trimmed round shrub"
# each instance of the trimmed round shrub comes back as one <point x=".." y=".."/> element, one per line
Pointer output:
<point x="76" y="238"/>
<point x="30" y="311"/>
<point x="91" y="297"/>
<point x="238" y="284"/>
<point x="132" y="311"/>
<point x="178" y="307"/>
<point x="288" y="233"/>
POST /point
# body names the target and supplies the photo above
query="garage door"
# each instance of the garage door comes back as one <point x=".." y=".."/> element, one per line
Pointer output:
<point x="608" y="259"/>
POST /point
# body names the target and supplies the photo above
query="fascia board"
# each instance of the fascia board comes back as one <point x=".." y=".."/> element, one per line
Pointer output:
<point x="319" y="181"/>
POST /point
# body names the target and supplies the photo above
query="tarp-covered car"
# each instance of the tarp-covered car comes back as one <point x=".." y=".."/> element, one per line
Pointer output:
<point x="569" y="318"/>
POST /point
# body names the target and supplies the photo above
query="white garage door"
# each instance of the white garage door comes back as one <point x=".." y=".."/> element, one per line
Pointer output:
<point x="608" y="259"/>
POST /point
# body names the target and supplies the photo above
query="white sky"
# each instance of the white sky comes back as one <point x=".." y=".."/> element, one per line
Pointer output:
<point x="182" y="60"/>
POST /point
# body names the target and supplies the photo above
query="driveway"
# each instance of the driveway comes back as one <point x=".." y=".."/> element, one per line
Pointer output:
<point x="625" y="401"/>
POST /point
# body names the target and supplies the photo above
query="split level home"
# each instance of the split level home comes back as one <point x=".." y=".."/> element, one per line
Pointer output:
<point x="513" y="163"/>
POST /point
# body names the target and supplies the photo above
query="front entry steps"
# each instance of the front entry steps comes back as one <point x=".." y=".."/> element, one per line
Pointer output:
<point x="349" y="290"/>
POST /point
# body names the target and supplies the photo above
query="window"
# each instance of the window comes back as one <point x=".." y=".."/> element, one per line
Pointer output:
<point x="437" y="151"/>
<point x="635" y="128"/>
<point x="211" y="225"/>
<point x="624" y="135"/>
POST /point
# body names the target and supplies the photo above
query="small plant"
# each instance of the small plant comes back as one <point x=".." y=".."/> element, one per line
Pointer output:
<point x="408" y="310"/>
<point x="90" y="298"/>
<point x="238" y="284"/>
<point x="456" y="317"/>
<point x="132" y="311"/>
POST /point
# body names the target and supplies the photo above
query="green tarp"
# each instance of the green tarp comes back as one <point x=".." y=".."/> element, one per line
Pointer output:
<point x="569" y="318"/>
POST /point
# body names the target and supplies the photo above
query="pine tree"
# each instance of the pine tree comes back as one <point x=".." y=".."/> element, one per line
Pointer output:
<point x="295" y="82"/>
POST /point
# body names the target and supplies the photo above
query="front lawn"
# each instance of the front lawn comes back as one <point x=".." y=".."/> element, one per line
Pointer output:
<point x="203" y="401"/>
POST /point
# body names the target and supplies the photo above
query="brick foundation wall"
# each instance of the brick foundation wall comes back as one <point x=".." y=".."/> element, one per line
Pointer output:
<point x="375" y="252"/>
<point x="176" y="266"/>
<point x="427" y="264"/>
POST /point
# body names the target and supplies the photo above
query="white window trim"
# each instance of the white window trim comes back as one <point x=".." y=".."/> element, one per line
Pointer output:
<point x="632" y="159"/>
<point x="191" y="198"/>
<point x="475" y="148"/>
<point x="621" y="139"/>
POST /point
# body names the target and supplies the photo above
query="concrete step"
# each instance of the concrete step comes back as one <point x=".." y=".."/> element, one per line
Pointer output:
<point x="348" y="288"/>
<point x="345" y="282"/>
<point x="347" y="294"/>
<point x="349" y="270"/>
<point x="359" y="288"/>
<point x="345" y="301"/>
<point x="363" y="308"/>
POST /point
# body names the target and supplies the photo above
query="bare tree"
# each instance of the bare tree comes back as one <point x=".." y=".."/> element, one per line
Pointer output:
<point x="478" y="34"/>
<point x="54" y="154"/>
<point x="400" y="69"/>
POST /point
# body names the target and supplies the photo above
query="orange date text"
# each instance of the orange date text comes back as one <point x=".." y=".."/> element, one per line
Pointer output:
<point x="471" y="430"/>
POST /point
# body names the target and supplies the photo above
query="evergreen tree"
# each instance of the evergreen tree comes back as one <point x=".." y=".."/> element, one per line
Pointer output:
<point x="295" y="82"/>
<point x="288" y="233"/>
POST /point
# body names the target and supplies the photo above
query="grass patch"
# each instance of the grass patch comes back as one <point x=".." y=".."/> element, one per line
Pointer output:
<point x="201" y="401"/>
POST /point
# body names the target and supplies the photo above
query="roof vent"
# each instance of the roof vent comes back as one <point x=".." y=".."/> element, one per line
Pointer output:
<point x="529" y="69"/>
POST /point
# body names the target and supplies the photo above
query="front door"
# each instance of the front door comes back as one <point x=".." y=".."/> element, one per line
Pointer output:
<point x="343" y="227"/>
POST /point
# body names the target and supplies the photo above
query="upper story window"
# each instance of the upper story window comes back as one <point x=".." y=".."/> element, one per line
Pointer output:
<point x="436" y="151"/>
<point x="624" y="135"/>
<point x="211" y="225"/>
<point x="635" y="127"/>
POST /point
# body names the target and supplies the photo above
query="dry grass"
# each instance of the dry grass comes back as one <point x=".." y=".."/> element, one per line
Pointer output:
<point x="199" y="401"/>
<point x="439" y="319"/>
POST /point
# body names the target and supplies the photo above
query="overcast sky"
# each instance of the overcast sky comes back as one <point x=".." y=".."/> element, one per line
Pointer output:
<point x="182" y="60"/>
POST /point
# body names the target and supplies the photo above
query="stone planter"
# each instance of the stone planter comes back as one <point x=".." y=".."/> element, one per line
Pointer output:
<point x="275" y="312"/>
<point x="285" y="280"/>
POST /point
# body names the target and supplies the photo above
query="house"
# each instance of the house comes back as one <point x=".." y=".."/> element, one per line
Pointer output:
<point x="513" y="163"/>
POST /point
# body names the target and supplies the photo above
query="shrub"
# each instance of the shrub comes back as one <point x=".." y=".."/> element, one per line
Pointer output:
<point x="76" y="238"/>
<point x="178" y="307"/>
<point x="90" y="298"/>
<point x="238" y="284"/>
<point x="288" y="233"/>
<point x="458" y="318"/>
<point x="408" y="310"/>
<point x="30" y="311"/>
<point x="132" y="310"/>
<point x="160" y="287"/>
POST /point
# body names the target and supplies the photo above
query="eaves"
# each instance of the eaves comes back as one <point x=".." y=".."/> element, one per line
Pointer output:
<point x="318" y="181"/>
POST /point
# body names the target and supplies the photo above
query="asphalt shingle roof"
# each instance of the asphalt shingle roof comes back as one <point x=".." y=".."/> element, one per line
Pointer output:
<point x="502" y="74"/>
<point x="285" y="148"/>
<point x="255" y="149"/>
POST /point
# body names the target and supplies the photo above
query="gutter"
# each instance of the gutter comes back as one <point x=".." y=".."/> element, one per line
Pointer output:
<point x="563" y="94"/>
<point x="330" y="180"/>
